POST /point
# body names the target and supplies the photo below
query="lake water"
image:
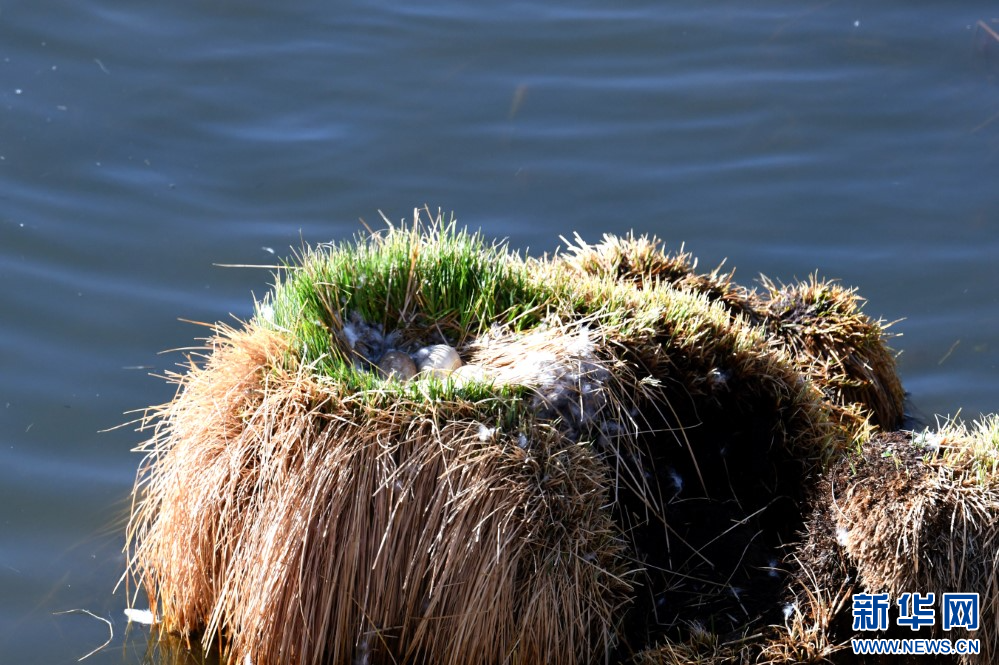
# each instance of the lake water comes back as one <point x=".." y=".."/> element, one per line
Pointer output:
<point x="143" y="143"/>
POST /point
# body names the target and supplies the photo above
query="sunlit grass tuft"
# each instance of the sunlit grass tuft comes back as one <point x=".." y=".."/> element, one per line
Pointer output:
<point x="432" y="276"/>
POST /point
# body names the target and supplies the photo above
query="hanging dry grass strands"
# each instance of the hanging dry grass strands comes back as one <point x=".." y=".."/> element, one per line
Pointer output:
<point x="427" y="449"/>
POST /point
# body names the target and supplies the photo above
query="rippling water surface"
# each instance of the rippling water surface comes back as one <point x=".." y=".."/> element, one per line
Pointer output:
<point x="143" y="143"/>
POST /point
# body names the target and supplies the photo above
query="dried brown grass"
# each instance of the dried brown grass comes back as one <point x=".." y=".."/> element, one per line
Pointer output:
<point x="301" y="526"/>
<point x="844" y="351"/>
<point x="701" y="647"/>
<point x="803" y="639"/>
<point x="644" y="262"/>
<point x="807" y="633"/>
<point x="195" y="475"/>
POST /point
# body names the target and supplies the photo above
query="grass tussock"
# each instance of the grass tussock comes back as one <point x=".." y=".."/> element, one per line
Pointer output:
<point x="644" y="262"/>
<point x="844" y="351"/>
<point x="629" y="462"/>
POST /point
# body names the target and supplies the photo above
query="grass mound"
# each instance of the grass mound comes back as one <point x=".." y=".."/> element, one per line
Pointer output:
<point x="426" y="448"/>
<point x="839" y="347"/>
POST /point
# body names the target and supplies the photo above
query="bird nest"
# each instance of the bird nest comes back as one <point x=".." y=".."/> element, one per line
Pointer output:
<point x="424" y="448"/>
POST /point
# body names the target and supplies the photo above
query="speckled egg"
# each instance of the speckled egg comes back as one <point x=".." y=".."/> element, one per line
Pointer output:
<point x="398" y="365"/>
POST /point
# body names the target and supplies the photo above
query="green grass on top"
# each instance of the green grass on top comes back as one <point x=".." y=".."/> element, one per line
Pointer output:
<point x="425" y="278"/>
<point x="431" y="278"/>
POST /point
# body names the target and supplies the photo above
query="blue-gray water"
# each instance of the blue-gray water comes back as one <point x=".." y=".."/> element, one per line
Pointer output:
<point x="141" y="143"/>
